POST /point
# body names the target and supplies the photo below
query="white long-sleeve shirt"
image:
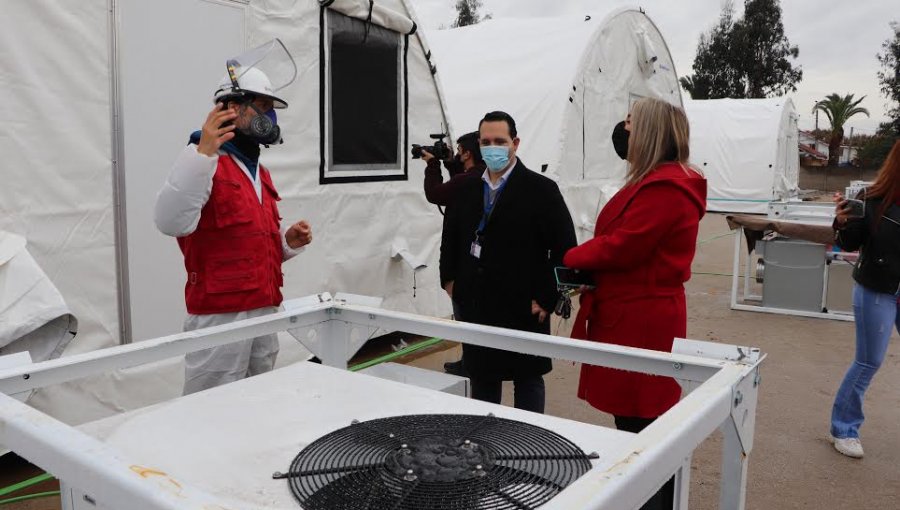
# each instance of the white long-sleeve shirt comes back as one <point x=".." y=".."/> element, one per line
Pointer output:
<point x="187" y="189"/>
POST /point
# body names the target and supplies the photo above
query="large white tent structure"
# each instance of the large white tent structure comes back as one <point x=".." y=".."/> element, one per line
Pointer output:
<point x="567" y="82"/>
<point x="747" y="148"/>
<point x="101" y="96"/>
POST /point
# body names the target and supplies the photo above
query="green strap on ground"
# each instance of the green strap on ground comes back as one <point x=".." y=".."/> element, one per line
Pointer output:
<point x="39" y="495"/>
<point x="24" y="485"/>
<point x="394" y="355"/>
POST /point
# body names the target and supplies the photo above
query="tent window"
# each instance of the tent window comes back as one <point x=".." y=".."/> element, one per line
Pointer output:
<point x="363" y="101"/>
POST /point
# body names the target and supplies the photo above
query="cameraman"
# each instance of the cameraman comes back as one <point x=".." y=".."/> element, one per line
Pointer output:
<point x="466" y="163"/>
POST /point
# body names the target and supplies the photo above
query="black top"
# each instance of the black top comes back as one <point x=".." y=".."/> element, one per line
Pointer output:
<point x="442" y="193"/>
<point x="877" y="237"/>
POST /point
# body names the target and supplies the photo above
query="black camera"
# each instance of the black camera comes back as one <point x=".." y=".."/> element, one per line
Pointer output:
<point x="439" y="150"/>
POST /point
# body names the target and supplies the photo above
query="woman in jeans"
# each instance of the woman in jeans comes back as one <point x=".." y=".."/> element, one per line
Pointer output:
<point x="640" y="257"/>
<point x="876" y="234"/>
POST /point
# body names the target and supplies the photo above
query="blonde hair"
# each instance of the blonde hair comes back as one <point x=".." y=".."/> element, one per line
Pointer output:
<point x="659" y="133"/>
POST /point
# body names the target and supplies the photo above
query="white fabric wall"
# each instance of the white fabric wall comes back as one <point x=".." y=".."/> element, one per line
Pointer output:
<point x="28" y="301"/>
<point x="567" y="82"/>
<point x="524" y="67"/>
<point x="56" y="143"/>
<point x="58" y="187"/>
<point x="788" y="183"/>
<point x="613" y="74"/>
<point x="747" y="148"/>
<point x="165" y="95"/>
<point x="354" y="224"/>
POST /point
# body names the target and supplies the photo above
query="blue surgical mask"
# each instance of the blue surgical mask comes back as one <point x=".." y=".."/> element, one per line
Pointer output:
<point x="496" y="158"/>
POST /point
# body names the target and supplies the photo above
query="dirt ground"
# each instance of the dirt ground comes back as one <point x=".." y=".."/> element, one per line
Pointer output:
<point x="792" y="466"/>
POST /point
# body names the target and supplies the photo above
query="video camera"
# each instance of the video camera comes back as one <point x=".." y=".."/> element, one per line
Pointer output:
<point x="439" y="150"/>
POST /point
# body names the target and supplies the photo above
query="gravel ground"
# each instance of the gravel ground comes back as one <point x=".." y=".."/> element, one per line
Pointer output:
<point x="792" y="466"/>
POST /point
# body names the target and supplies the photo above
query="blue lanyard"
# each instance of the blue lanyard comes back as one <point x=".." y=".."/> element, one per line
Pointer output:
<point x="489" y="205"/>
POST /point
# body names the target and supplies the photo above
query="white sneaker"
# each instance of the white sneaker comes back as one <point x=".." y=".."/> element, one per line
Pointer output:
<point x="849" y="446"/>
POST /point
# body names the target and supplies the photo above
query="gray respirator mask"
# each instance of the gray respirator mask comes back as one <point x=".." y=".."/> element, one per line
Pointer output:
<point x="264" y="127"/>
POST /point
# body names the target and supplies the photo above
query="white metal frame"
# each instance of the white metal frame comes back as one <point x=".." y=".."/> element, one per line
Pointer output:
<point x="722" y="381"/>
<point x="748" y="302"/>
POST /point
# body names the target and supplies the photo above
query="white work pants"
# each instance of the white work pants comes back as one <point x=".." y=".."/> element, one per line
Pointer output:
<point x="228" y="363"/>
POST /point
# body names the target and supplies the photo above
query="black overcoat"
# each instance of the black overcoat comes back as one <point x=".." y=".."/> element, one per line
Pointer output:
<point x="529" y="231"/>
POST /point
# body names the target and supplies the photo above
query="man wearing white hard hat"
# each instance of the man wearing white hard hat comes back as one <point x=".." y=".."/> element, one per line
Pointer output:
<point x="221" y="205"/>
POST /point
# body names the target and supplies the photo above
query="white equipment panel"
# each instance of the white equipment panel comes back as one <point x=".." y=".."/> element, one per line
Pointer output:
<point x="219" y="449"/>
<point x="229" y="440"/>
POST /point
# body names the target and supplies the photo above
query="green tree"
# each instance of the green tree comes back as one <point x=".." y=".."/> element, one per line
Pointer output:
<point x="716" y="74"/>
<point x="467" y="13"/>
<point x="873" y="153"/>
<point x="838" y="109"/>
<point x="764" y="51"/>
<point x="746" y="57"/>
<point x="889" y="75"/>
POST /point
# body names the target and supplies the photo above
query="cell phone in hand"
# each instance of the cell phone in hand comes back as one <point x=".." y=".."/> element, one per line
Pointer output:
<point x="856" y="207"/>
<point x="568" y="278"/>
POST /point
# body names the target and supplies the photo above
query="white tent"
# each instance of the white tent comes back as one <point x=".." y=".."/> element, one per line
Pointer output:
<point x="34" y="317"/>
<point x="747" y="148"/>
<point x="101" y="97"/>
<point x="567" y="82"/>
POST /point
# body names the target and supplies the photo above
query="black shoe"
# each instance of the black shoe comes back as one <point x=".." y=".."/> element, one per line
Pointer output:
<point x="455" y="368"/>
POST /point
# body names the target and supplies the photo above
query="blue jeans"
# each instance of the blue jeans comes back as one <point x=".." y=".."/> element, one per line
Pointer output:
<point x="875" y="315"/>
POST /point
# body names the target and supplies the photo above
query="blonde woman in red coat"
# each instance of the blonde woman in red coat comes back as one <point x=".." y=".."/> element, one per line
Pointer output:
<point x="640" y="257"/>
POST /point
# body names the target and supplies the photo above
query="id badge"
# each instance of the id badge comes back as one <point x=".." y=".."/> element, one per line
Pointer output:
<point x="476" y="250"/>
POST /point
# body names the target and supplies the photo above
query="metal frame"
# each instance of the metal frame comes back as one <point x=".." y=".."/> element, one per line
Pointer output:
<point x="746" y="299"/>
<point x="726" y="379"/>
<point x="120" y="212"/>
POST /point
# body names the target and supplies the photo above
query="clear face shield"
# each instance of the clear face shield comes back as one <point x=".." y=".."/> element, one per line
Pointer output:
<point x="263" y="73"/>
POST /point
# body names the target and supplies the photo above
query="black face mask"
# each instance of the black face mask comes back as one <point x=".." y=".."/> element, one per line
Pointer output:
<point x="246" y="145"/>
<point x="620" y="140"/>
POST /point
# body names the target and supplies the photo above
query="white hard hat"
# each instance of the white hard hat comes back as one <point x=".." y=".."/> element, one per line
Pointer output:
<point x="249" y="81"/>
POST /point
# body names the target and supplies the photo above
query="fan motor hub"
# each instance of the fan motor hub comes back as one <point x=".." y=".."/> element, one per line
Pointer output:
<point x="441" y="459"/>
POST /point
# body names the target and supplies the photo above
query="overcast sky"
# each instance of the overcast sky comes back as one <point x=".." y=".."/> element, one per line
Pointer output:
<point x="838" y="40"/>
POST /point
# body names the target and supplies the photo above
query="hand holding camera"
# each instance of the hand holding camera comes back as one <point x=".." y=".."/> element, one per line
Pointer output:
<point x="439" y="150"/>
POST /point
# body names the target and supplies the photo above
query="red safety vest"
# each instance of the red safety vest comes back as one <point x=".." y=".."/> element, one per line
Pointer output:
<point x="233" y="258"/>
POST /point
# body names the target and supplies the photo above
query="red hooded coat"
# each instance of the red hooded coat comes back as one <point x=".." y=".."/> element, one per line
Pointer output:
<point x="640" y="257"/>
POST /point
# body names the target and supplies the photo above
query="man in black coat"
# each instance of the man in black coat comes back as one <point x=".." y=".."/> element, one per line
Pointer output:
<point x="503" y="235"/>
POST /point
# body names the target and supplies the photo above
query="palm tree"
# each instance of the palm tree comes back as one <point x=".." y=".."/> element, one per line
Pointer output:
<point x="838" y="110"/>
